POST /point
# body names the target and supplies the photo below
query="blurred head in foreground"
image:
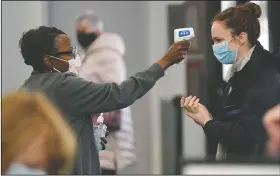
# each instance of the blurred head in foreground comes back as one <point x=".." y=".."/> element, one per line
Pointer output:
<point x="88" y="28"/>
<point x="35" y="138"/>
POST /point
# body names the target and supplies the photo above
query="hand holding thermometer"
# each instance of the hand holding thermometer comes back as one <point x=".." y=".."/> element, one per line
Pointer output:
<point x="183" y="34"/>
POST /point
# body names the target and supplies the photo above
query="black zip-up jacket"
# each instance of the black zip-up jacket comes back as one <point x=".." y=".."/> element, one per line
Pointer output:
<point x="239" y="123"/>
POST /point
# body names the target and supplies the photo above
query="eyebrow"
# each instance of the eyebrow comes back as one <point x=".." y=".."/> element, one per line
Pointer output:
<point x="217" y="38"/>
<point x="65" y="52"/>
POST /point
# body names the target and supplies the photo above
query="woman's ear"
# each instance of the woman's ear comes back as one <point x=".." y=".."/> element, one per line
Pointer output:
<point x="242" y="37"/>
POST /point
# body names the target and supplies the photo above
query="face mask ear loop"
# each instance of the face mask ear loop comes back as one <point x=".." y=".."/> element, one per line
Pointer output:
<point x="56" y="70"/>
<point x="230" y="41"/>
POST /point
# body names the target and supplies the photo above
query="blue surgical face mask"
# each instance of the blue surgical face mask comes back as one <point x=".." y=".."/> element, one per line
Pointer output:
<point x="223" y="54"/>
<point x="17" y="168"/>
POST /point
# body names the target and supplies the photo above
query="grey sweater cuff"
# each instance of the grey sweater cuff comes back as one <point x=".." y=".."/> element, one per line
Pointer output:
<point x="157" y="69"/>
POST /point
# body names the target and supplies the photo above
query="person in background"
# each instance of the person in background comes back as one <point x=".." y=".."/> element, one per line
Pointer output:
<point x="103" y="63"/>
<point x="272" y="126"/>
<point x="253" y="86"/>
<point x="50" y="52"/>
<point x="35" y="138"/>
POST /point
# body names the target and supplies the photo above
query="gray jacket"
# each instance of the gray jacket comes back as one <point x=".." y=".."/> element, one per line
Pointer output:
<point x="78" y="98"/>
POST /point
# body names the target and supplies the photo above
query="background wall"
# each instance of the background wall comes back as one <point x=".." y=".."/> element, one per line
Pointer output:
<point x="17" y="17"/>
<point x="143" y="25"/>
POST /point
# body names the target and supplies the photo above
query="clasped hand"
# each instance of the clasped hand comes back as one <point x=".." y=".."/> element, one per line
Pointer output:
<point x="195" y="110"/>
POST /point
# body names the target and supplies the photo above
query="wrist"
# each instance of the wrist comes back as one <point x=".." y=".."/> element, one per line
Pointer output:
<point x="164" y="63"/>
<point x="205" y="122"/>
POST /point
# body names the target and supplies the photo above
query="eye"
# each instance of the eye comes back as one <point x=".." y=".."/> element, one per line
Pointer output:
<point x="217" y="40"/>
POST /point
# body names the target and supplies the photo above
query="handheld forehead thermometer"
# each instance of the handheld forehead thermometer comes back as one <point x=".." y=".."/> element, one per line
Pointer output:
<point x="183" y="34"/>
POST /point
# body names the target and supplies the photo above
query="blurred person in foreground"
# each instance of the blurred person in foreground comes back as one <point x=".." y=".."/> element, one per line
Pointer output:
<point x="253" y="86"/>
<point x="50" y="52"/>
<point x="272" y="121"/>
<point x="35" y="138"/>
<point x="272" y="126"/>
<point x="103" y="63"/>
